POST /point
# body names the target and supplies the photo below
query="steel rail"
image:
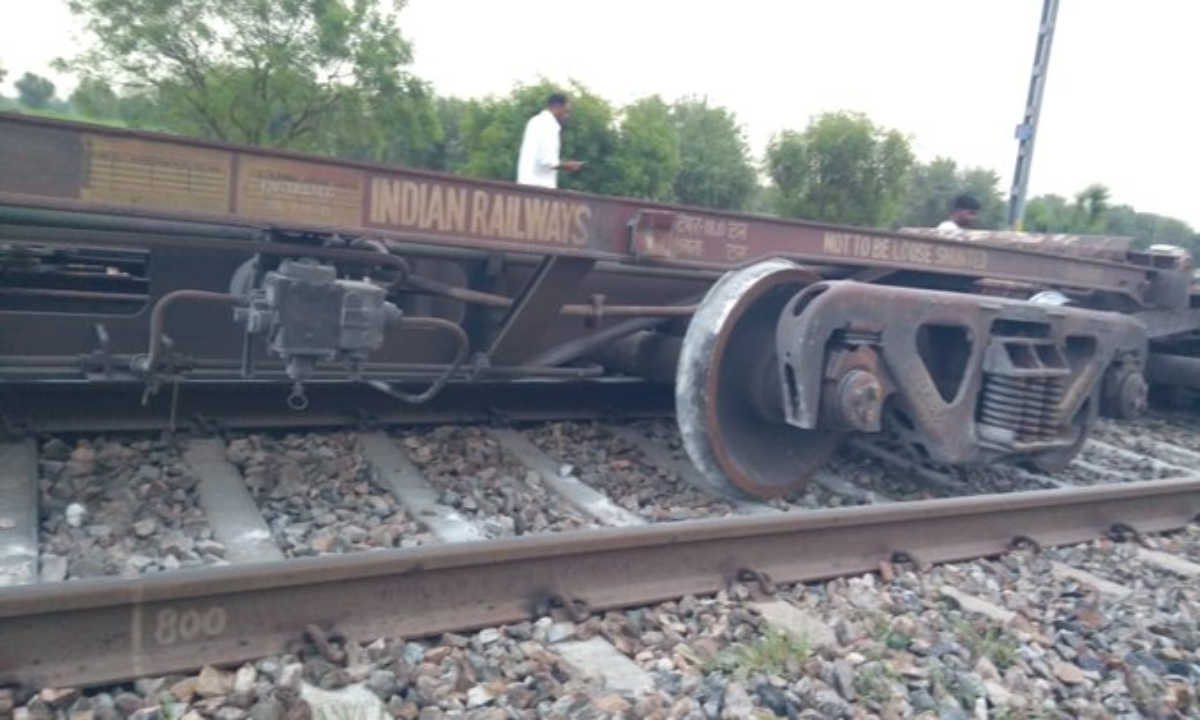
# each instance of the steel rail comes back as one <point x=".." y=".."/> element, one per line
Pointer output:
<point x="106" y="630"/>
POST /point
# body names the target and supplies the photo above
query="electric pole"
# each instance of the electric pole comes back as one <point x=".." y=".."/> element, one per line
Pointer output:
<point x="1027" y="130"/>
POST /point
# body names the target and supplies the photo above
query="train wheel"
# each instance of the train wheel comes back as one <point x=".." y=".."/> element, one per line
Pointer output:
<point x="727" y="388"/>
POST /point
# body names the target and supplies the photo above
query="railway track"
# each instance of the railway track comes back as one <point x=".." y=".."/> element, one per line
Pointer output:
<point x="157" y="283"/>
<point x="212" y="539"/>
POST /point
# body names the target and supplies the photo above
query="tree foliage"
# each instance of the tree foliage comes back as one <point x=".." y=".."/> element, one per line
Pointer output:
<point x="95" y="98"/>
<point x="933" y="186"/>
<point x="1092" y="212"/>
<point x="635" y="157"/>
<point x="402" y="128"/>
<point x="646" y="160"/>
<point x="715" y="166"/>
<point x="281" y="73"/>
<point x="492" y="130"/>
<point x="1088" y="214"/>
<point x="449" y="153"/>
<point x="842" y="168"/>
<point x="34" y="91"/>
<point x="1091" y="207"/>
<point x="1048" y="213"/>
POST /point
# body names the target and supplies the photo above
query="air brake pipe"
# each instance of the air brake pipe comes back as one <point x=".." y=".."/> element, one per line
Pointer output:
<point x="208" y="368"/>
<point x="148" y="363"/>
<point x="462" y="348"/>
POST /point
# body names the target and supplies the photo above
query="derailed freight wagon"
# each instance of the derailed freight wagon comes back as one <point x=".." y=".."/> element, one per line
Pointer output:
<point x="136" y="266"/>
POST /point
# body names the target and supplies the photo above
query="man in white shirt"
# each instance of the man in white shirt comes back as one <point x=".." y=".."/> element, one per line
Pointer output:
<point x="539" y="164"/>
<point x="963" y="213"/>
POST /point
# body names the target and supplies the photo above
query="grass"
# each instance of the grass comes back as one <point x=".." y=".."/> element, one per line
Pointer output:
<point x="944" y="684"/>
<point x="884" y="634"/>
<point x="774" y="653"/>
<point x="874" y="685"/>
<point x="992" y="643"/>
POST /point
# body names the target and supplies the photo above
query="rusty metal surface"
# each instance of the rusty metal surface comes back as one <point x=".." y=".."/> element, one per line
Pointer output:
<point x="176" y="261"/>
<point x="976" y="378"/>
<point x="550" y="286"/>
<point x="90" y="167"/>
<point x="728" y="407"/>
<point x="105" y="630"/>
<point x="1115" y="249"/>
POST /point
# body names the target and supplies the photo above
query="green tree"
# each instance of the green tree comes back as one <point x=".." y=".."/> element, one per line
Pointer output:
<point x="1087" y="215"/>
<point x="1092" y="212"/>
<point x="646" y="161"/>
<point x="450" y="152"/>
<point x="95" y="98"/>
<point x="984" y="184"/>
<point x="842" y="168"/>
<point x="34" y="91"/>
<point x="1091" y="204"/>
<point x="932" y="187"/>
<point x="399" y="127"/>
<point x="265" y="72"/>
<point x="492" y="130"/>
<point x="764" y="199"/>
<point x="1149" y="229"/>
<point x="1048" y="213"/>
<point x="715" y="166"/>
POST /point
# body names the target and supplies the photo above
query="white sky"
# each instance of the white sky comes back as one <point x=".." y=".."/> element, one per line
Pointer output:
<point x="1120" y="105"/>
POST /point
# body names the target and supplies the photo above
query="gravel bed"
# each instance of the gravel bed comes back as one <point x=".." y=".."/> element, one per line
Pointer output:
<point x="123" y="507"/>
<point x="495" y="674"/>
<point x="907" y="484"/>
<point x="1137" y="656"/>
<point x="812" y="496"/>
<point x="620" y="471"/>
<point x="1085" y="476"/>
<point x="317" y="496"/>
<point x="877" y="479"/>
<point x="1095" y="466"/>
<point x="1139" y="435"/>
<point x="485" y="483"/>
<point x="1184" y="544"/>
<point x="1133" y="469"/>
<point x="892" y="644"/>
<point x="885" y="645"/>
<point x="900" y="648"/>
